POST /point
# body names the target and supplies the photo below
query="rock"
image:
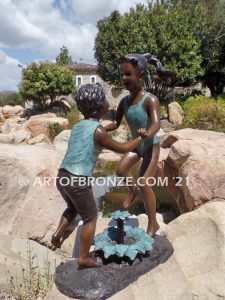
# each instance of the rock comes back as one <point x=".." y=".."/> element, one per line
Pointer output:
<point x="61" y="140"/>
<point x="6" y="138"/>
<point x="39" y="124"/>
<point x="17" y="254"/>
<point x="175" y="113"/>
<point x="20" y="136"/>
<point x="11" y="125"/>
<point x="54" y="294"/>
<point x="25" y="198"/>
<point x="2" y="118"/>
<point x="199" y="247"/>
<point x="14" y="132"/>
<point x="161" y="134"/>
<point x="194" y="165"/>
<point x="10" y="111"/>
<point x="107" y="155"/>
<point x="167" y="126"/>
<point x="41" y="138"/>
<point x="101" y="283"/>
<point x="165" y="282"/>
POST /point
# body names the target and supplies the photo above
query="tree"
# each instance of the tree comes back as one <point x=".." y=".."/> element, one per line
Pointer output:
<point x="44" y="81"/>
<point x="209" y="28"/>
<point x="64" y="58"/>
<point x="159" y="29"/>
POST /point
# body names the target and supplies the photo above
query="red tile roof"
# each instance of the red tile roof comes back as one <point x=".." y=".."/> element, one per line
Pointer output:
<point x="82" y="67"/>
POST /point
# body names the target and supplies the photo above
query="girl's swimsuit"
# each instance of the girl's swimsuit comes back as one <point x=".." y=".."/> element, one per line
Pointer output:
<point x="137" y="118"/>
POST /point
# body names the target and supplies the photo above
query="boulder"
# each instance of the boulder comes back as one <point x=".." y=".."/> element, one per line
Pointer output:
<point x="176" y="114"/>
<point x="30" y="204"/>
<point x="166" y="125"/>
<point x="11" y="125"/>
<point x="6" y="138"/>
<point x="61" y="140"/>
<point x="193" y="162"/>
<point x="39" y="124"/>
<point x="14" y="132"/>
<point x="20" y="257"/>
<point x="2" y="118"/>
<point x="41" y="138"/>
<point x="199" y="248"/>
<point x="20" y="136"/>
<point x="11" y="111"/>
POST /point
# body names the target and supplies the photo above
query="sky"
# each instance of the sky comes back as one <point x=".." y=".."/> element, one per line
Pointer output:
<point x="33" y="30"/>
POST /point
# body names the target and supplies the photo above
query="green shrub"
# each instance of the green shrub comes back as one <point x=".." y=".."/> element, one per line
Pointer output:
<point x="204" y="113"/>
<point x="72" y="115"/>
<point x="11" y="99"/>
<point x="54" y="129"/>
<point x="163" y="111"/>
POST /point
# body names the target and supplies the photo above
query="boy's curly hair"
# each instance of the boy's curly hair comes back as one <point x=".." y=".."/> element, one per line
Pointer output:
<point x="89" y="99"/>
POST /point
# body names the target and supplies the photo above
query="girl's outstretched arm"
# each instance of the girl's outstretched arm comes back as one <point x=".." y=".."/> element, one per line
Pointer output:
<point x="103" y="140"/>
<point x="119" y="115"/>
<point x="153" y="111"/>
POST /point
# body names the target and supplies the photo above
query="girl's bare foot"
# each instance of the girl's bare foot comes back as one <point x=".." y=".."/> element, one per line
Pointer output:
<point x="87" y="263"/>
<point x="132" y="195"/>
<point x="152" y="229"/>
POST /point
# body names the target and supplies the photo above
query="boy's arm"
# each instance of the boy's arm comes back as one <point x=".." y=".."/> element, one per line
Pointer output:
<point x="119" y="115"/>
<point x="103" y="140"/>
<point x="152" y="107"/>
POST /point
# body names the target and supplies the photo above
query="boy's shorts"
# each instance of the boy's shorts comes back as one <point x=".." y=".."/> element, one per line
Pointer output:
<point x="80" y="199"/>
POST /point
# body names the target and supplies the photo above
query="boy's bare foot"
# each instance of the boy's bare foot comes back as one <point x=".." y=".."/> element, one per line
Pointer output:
<point x="152" y="229"/>
<point x="55" y="243"/>
<point x="87" y="263"/>
<point x="132" y="195"/>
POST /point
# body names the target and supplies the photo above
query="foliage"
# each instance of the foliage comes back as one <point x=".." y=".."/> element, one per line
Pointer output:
<point x="204" y="113"/>
<point x="163" y="31"/>
<point x="36" y="282"/>
<point x="64" y="58"/>
<point x="11" y="99"/>
<point x="44" y="81"/>
<point x="209" y="28"/>
<point x="72" y="115"/>
<point x="54" y="129"/>
<point x="163" y="111"/>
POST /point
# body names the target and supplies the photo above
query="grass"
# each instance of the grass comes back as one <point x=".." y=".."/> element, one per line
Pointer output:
<point x="72" y="116"/>
<point x="35" y="283"/>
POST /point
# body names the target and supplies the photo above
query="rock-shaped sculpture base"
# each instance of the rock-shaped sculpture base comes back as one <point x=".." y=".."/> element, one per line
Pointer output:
<point x="103" y="282"/>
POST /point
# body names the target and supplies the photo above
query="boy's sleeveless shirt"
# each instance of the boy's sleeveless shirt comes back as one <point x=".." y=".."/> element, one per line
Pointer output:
<point x="81" y="154"/>
<point x="137" y="118"/>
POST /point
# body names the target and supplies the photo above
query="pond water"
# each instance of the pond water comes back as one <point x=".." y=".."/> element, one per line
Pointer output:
<point x="110" y="197"/>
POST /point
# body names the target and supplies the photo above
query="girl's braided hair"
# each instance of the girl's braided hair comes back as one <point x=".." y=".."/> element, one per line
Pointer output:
<point x="89" y="99"/>
<point x="141" y="61"/>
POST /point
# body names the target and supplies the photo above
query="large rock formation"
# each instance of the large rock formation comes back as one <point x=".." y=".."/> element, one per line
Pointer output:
<point x="20" y="257"/>
<point x="39" y="124"/>
<point x="30" y="207"/>
<point x="194" y="163"/>
<point x="10" y="111"/>
<point x="13" y="131"/>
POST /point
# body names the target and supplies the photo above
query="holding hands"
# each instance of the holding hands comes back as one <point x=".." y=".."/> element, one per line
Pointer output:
<point x="143" y="132"/>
